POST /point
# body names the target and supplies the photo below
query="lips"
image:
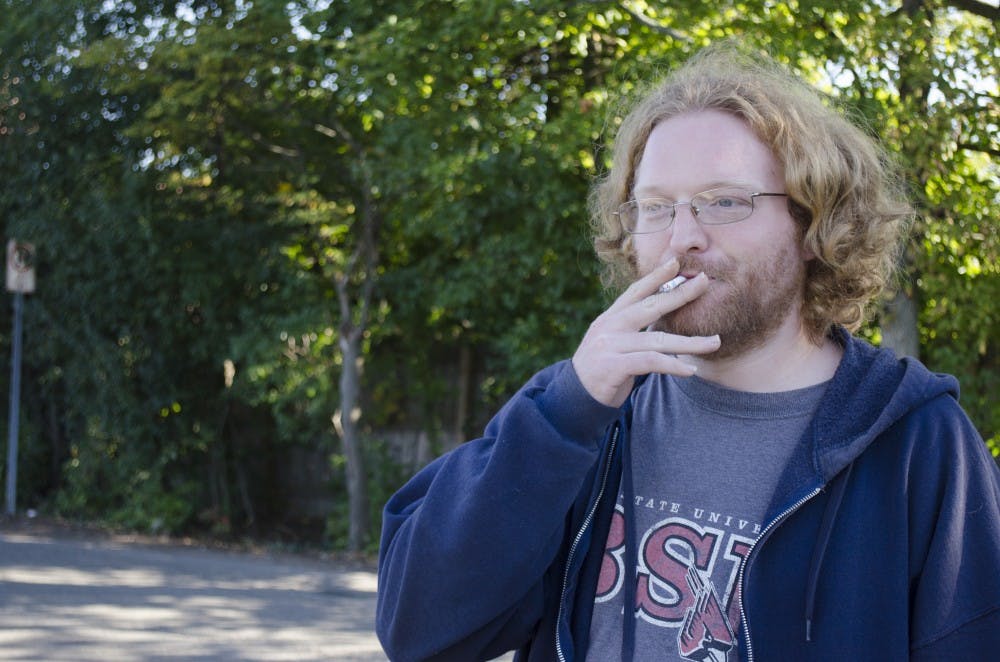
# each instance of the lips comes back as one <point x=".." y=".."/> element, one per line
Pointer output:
<point x="692" y="267"/>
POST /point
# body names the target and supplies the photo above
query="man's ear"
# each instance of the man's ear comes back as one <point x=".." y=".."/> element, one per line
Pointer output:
<point x="806" y="247"/>
<point x="803" y="220"/>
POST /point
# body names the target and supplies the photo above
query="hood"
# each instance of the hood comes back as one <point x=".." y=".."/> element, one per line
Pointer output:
<point x="871" y="390"/>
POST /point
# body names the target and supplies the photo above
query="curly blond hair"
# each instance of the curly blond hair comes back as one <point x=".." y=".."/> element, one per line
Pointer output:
<point x="843" y="187"/>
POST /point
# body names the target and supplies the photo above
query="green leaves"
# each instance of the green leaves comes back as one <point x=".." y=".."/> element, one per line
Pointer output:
<point x="196" y="176"/>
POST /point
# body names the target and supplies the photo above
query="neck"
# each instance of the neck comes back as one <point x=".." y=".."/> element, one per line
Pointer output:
<point x="786" y="361"/>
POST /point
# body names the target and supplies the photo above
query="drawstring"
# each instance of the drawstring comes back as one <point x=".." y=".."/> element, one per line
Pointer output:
<point x="837" y="488"/>
<point x="631" y="555"/>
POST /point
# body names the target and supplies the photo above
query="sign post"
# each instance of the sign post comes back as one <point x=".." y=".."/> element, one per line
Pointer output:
<point x="20" y="281"/>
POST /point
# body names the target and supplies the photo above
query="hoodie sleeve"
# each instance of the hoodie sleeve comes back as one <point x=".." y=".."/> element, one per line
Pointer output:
<point x="956" y="590"/>
<point x="468" y="544"/>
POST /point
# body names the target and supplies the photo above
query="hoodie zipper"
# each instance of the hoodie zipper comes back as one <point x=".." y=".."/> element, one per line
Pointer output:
<point x="587" y="521"/>
<point x="746" y="561"/>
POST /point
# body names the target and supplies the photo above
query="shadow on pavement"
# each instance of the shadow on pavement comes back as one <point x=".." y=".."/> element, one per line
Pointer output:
<point x="85" y="599"/>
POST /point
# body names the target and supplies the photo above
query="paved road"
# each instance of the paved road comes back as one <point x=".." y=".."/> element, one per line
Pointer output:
<point x="92" y="598"/>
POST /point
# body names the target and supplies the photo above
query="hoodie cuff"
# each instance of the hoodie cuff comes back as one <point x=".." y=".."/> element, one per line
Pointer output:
<point x="572" y="410"/>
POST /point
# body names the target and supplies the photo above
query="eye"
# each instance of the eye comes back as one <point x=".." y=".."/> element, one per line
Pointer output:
<point x="654" y="208"/>
<point x="725" y="201"/>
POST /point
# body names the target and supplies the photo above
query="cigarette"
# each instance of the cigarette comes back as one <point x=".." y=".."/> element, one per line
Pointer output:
<point x="671" y="284"/>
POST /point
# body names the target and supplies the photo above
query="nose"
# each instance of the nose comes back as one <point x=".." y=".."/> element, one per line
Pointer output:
<point x="687" y="235"/>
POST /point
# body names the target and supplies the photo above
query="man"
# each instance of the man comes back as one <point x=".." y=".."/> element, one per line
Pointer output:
<point x="721" y="471"/>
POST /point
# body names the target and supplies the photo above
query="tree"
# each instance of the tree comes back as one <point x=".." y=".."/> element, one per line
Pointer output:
<point x="268" y="228"/>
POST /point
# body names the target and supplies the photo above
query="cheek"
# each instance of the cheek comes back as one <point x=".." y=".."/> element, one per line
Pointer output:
<point x="648" y="250"/>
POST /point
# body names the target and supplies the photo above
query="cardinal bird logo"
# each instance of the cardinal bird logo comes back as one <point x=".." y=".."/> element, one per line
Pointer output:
<point x="705" y="633"/>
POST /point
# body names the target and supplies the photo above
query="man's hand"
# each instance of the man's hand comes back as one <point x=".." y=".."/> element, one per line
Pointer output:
<point x="615" y="349"/>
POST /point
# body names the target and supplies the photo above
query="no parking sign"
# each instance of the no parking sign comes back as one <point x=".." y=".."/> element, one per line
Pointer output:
<point x="20" y="267"/>
<point x="20" y="281"/>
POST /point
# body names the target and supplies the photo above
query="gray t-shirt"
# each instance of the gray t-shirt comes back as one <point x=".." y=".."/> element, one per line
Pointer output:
<point x="705" y="461"/>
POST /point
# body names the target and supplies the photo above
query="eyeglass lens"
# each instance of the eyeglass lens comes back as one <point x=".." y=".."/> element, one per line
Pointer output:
<point x="716" y="206"/>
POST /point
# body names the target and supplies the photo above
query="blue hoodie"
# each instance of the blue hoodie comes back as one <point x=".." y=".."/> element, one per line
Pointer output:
<point x="882" y="541"/>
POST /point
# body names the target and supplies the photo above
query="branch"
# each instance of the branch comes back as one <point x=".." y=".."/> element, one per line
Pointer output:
<point x="653" y="25"/>
<point x="366" y="249"/>
<point x="325" y="130"/>
<point x="373" y="225"/>
<point x="978" y="7"/>
<point x="257" y="138"/>
<point x="338" y="130"/>
<point x="273" y="148"/>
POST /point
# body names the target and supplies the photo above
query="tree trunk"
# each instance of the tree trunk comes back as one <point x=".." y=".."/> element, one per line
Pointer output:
<point x="899" y="325"/>
<point x="899" y="316"/>
<point x="462" y="404"/>
<point x="422" y="457"/>
<point x="355" y="285"/>
<point x="346" y="422"/>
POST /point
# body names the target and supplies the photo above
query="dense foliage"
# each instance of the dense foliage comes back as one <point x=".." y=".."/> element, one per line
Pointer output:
<point x="223" y="192"/>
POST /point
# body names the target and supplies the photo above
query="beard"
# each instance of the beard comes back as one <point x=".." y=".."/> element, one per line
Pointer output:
<point x="745" y="302"/>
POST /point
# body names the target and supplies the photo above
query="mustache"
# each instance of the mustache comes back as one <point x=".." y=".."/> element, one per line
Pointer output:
<point x="721" y="270"/>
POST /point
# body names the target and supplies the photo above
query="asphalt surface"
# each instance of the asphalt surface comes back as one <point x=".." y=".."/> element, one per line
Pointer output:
<point x="86" y="597"/>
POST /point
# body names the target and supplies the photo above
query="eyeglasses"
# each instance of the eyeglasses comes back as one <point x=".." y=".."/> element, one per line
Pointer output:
<point x="716" y="206"/>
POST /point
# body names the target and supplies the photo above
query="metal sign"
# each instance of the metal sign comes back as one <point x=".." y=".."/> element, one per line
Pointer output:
<point x="20" y="267"/>
<point x="20" y="281"/>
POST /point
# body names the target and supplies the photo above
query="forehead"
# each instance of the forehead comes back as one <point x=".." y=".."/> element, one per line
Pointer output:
<point x="699" y="150"/>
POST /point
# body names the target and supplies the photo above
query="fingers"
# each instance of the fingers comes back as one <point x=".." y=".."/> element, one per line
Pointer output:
<point x="607" y="363"/>
<point x="649" y="309"/>
<point x="631" y="312"/>
<point x="634" y="364"/>
<point x="644" y="302"/>
<point x="647" y="285"/>
<point x="615" y="348"/>
<point x="668" y="343"/>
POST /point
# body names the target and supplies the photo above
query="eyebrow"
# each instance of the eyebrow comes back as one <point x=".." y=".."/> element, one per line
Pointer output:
<point x="659" y="192"/>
